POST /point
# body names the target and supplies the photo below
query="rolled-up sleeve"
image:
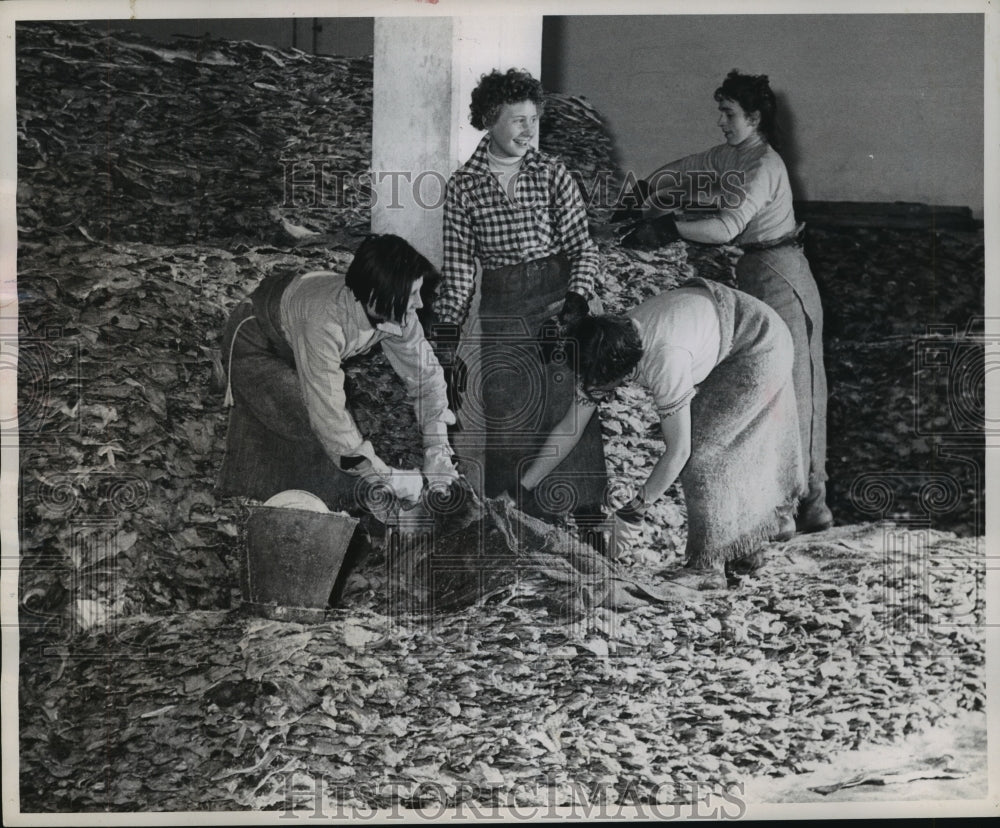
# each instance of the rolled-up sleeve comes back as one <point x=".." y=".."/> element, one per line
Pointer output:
<point x="672" y="184"/>
<point x="413" y="360"/>
<point x="738" y="190"/>
<point x="667" y="373"/>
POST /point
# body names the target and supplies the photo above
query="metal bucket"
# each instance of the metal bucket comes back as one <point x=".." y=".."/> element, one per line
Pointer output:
<point x="291" y="561"/>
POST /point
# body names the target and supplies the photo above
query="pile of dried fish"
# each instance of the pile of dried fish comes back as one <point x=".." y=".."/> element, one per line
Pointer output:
<point x="574" y="130"/>
<point x="125" y="139"/>
<point x="500" y="703"/>
<point x="905" y="346"/>
<point x="466" y="552"/>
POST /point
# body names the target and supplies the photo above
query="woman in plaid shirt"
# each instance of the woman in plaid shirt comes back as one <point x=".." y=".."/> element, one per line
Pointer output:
<point x="518" y="214"/>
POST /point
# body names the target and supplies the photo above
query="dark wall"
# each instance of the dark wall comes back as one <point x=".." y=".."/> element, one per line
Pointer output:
<point x="347" y="36"/>
<point x="876" y="107"/>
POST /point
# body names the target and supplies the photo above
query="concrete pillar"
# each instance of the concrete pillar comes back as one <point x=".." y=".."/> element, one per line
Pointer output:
<point x="424" y="73"/>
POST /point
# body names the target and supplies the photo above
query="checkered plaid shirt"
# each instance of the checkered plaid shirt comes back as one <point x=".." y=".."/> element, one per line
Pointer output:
<point x="544" y="215"/>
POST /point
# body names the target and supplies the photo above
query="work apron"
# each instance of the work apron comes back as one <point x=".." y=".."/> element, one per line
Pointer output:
<point x="780" y="277"/>
<point x="270" y="444"/>
<point x="525" y="396"/>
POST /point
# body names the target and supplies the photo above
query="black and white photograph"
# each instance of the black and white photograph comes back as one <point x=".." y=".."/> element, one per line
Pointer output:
<point x="425" y="410"/>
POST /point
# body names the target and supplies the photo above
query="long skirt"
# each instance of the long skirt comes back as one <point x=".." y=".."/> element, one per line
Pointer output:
<point x="270" y="445"/>
<point x="746" y="460"/>
<point x="524" y="396"/>
<point x="781" y="278"/>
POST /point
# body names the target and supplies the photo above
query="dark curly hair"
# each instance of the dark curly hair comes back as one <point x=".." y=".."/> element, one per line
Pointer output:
<point x="382" y="274"/>
<point x="499" y="88"/>
<point x="753" y="93"/>
<point x="610" y="349"/>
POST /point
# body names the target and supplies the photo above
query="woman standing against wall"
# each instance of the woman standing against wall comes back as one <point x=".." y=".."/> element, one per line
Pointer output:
<point x="518" y="214"/>
<point x="754" y="197"/>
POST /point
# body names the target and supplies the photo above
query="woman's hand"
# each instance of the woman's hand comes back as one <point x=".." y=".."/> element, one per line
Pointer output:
<point x="652" y="233"/>
<point x="634" y="511"/>
<point x="574" y="309"/>
<point x="676" y="429"/>
<point x="627" y="524"/>
<point x="439" y="467"/>
<point x="405" y="484"/>
<point x="403" y="487"/>
<point x="444" y="340"/>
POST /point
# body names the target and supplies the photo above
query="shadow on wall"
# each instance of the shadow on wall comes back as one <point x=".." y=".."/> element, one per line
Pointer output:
<point x="553" y="53"/>
<point x="552" y="75"/>
<point x="617" y="163"/>
<point x="790" y="151"/>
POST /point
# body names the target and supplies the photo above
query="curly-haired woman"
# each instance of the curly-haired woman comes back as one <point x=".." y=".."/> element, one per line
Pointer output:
<point x="754" y="201"/>
<point x="518" y="214"/>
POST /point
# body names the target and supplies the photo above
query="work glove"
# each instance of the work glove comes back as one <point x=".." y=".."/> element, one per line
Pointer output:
<point x="439" y="467"/>
<point x="552" y="334"/>
<point x="629" y="206"/>
<point x="444" y="340"/>
<point x="651" y="233"/>
<point x="574" y="309"/>
<point x="627" y="525"/>
<point x="405" y="484"/>
<point x="384" y="488"/>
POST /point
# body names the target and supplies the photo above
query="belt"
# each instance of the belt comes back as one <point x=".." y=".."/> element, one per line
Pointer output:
<point x="794" y="238"/>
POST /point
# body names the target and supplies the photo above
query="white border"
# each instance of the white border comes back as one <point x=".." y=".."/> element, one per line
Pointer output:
<point x="14" y="10"/>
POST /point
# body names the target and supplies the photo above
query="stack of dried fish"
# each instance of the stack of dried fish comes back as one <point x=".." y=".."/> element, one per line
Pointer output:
<point x="470" y="552"/>
<point x="905" y="344"/>
<point x="207" y="710"/>
<point x="574" y="130"/>
<point x="126" y="139"/>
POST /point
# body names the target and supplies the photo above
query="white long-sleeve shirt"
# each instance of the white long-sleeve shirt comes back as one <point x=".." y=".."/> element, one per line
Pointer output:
<point x="324" y="325"/>
<point x="751" y="182"/>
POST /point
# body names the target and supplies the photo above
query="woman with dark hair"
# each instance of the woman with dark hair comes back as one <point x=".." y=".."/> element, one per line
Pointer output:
<point x="284" y="345"/>
<point x="718" y="364"/>
<point x="753" y="198"/>
<point x="517" y="214"/>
